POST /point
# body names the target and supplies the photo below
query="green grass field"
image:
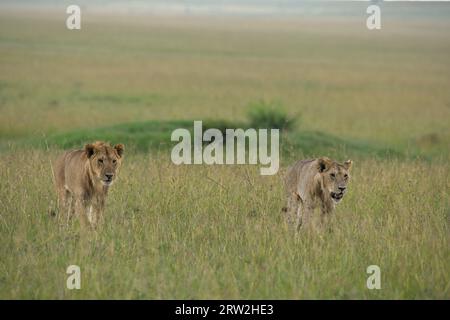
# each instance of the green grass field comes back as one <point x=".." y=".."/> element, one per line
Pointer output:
<point x="175" y="232"/>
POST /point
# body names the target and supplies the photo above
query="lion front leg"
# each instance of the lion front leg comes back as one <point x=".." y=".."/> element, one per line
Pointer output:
<point x="326" y="216"/>
<point x="81" y="210"/>
<point x="96" y="212"/>
<point x="324" y="220"/>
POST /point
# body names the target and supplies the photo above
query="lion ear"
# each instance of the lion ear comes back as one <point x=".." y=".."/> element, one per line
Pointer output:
<point x="348" y="164"/>
<point x="119" y="148"/>
<point x="324" y="164"/>
<point x="89" y="149"/>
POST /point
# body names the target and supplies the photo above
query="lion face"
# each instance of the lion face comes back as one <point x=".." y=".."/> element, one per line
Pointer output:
<point x="335" y="177"/>
<point x="104" y="161"/>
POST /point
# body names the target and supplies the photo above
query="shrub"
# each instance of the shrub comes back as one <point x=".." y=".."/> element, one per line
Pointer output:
<point x="270" y="115"/>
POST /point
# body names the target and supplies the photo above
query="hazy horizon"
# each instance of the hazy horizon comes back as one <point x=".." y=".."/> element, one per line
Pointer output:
<point x="247" y="8"/>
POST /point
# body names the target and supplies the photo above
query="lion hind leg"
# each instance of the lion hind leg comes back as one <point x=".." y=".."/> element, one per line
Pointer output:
<point x="299" y="217"/>
<point x="64" y="205"/>
<point x="304" y="214"/>
<point x="291" y="209"/>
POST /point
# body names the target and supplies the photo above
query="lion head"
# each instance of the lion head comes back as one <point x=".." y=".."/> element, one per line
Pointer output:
<point x="104" y="161"/>
<point x="335" y="177"/>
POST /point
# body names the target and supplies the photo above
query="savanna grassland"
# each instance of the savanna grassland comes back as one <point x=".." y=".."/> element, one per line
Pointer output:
<point x="173" y="232"/>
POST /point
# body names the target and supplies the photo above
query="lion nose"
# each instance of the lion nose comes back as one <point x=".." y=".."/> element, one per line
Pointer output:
<point x="342" y="189"/>
<point x="109" y="176"/>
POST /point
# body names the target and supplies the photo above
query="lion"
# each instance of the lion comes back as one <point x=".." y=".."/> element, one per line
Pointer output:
<point x="315" y="183"/>
<point x="83" y="178"/>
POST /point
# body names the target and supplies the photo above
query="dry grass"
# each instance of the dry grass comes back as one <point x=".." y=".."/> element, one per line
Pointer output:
<point x="217" y="232"/>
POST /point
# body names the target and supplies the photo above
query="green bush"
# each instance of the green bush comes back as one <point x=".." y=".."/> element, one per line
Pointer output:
<point x="270" y="115"/>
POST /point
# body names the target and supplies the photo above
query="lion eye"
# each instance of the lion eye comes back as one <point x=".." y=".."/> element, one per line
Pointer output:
<point x="333" y="175"/>
<point x="114" y="161"/>
<point x="100" y="161"/>
<point x="345" y="176"/>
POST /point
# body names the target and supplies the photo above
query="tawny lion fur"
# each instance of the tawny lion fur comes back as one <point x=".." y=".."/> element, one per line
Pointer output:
<point x="83" y="178"/>
<point x="315" y="183"/>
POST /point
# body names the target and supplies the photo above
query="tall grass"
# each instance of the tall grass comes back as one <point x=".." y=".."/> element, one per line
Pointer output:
<point x="218" y="232"/>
